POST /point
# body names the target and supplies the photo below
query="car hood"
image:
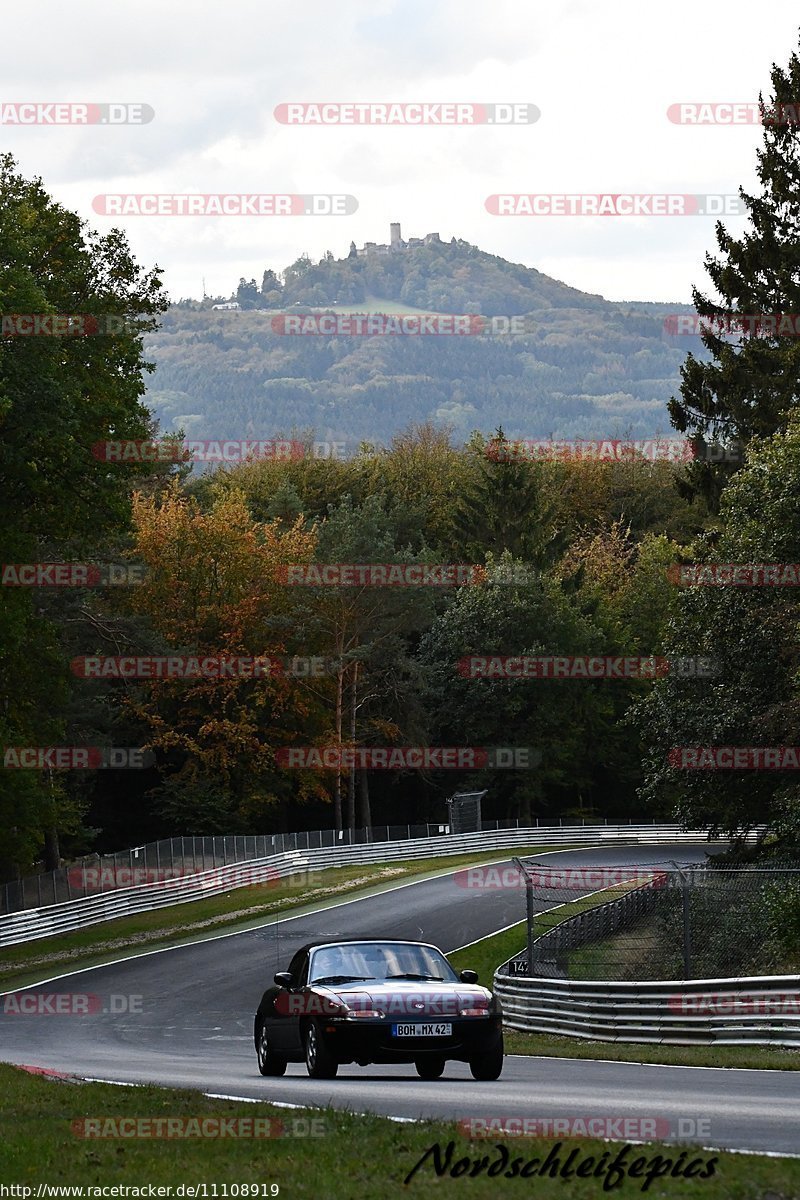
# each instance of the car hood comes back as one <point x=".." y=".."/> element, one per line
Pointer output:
<point x="400" y="996"/>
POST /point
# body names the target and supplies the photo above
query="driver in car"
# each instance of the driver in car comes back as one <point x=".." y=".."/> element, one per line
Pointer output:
<point x="376" y="962"/>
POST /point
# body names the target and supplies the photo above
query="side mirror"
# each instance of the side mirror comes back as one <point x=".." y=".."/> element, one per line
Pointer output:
<point x="283" y="979"/>
<point x="467" y="976"/>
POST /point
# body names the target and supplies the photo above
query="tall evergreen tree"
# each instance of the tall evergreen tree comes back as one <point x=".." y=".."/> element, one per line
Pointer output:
<point x="503" y="507"/>
<point x="751" y="383"/>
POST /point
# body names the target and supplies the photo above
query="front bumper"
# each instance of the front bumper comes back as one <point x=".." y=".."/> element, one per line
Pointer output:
<point x="372" y="1040"/>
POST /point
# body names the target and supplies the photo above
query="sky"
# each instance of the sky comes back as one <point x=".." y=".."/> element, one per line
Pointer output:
<point x="602" y="76"/>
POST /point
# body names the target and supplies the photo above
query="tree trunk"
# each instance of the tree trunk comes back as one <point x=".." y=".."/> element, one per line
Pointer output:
<point x="52" y="850"/>
<point x="337" y="792"/>
<point x="52" y="853"/>
<point x="351" y="781"/>
<point x="366" y="815"/>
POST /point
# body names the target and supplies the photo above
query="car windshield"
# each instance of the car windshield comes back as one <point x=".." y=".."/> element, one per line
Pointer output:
<point x="359" y="961"/>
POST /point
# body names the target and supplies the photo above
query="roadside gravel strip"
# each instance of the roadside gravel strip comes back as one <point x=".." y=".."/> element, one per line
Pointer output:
<point x="183" y="1016"/>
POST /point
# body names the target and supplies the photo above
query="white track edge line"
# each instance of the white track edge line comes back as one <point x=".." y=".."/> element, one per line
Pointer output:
<point x="424" y="1120"/>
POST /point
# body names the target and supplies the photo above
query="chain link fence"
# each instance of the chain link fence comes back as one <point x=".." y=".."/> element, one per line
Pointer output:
<point x="172" y="858"/>
<point x="659" y="921"/>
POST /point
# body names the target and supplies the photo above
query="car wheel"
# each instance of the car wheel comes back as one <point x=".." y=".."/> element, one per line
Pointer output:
<point x="430" y="1068"/>
<point x="320" y="1063"/>
<point x="488" y="1064"/>
<point x="269" y="1063"/>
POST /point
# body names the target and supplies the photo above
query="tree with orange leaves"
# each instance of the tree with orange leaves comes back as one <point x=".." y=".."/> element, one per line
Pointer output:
<point x="213" y="588"/>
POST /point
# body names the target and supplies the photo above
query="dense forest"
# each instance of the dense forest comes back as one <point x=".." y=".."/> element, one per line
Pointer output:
<point x="576" y="559"/>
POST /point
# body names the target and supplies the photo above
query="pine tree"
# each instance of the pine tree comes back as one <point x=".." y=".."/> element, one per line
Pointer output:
<point x="503" y="508"/>
<point x="751" y="383"/>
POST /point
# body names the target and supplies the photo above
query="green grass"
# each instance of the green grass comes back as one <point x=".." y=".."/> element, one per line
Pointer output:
<point x="355" y="1158"/>
<point x="372" y="304"/>
<point x="243" y="907"/>
<point x="486" y="955"/>
<point x="635" y="953"/>
<point x="762" y="1058"/>
<point x="617" y="957"/>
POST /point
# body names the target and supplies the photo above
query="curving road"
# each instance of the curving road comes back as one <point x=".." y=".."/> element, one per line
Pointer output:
<point x="183" y="1017"/>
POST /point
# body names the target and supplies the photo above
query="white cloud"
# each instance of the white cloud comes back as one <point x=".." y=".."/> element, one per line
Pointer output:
<point x="603" y="76"/>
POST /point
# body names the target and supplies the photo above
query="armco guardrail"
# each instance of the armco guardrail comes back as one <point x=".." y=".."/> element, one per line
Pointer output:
<point x="32" y="924"/>
<point x="753" y="1010"/>
<point x="177" y="856"/>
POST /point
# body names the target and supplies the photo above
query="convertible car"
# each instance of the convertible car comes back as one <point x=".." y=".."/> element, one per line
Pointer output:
<point x="377" y="1002"/>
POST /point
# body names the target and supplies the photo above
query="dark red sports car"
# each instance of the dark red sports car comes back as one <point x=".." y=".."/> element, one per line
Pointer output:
<point x="377" y="1002"/>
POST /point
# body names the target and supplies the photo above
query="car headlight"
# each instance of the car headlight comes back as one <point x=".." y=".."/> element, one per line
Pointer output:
<point x="351" y="1014"/>
<point x="474" y="1012"/>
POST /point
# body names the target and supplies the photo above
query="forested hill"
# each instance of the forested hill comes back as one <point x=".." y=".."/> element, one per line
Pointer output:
<point x="584" y="367"/>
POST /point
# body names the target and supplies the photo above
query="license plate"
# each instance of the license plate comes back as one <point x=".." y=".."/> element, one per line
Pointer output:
<point x="440" y="1030"/>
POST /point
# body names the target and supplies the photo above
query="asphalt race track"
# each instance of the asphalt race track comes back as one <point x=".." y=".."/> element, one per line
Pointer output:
<point x="193" y="1027"/>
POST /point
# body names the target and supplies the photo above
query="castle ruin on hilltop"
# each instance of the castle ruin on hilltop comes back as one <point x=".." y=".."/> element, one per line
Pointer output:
<point x="396" y="244"/>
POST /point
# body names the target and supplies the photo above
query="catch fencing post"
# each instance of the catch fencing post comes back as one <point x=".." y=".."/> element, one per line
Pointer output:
<point x="528" y="912"/>
<point x="687" y="926"/>
<point x="687" y="930"/>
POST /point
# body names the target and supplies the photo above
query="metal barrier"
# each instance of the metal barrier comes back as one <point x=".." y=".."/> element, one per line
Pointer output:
<point x="735" y="1009"/>
<point x="178" y="856"/>
<point x="754" y="1010"/>
<point x="53" y="919"/>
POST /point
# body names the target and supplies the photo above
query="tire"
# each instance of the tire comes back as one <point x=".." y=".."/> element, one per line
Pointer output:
<point x="269" y="1063"/>
<point x="488" y="1065"/>
<point x="320" y="1063"/>
<point x="430" y="1068"/>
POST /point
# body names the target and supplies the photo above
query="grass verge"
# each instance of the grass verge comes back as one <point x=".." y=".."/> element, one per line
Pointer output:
<point x="350" y="1158"/>
<point x="761" y="1058"/>
<point x="487" y="954"/>
<point x="31" y="961"/>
